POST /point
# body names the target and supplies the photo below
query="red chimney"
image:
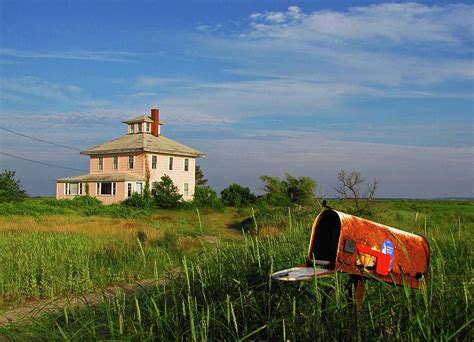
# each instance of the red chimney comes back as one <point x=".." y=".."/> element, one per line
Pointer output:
<point x="155" y="126"/>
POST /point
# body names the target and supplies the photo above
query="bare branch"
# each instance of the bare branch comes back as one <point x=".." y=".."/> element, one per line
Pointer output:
<point x="350" y="187"/>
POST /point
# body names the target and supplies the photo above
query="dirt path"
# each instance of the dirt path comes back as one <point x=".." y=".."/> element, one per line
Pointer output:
<point x="34" y="309"/>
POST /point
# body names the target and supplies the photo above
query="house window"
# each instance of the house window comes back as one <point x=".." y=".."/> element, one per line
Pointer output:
<point x="100" y="164"/>
<point x="116" y="163"/>
<point x="186" y="189"/>
<point x="186" y="164"/>
<point x="148" y="127"/>
<point x="171" y="163"/>
<point x="130" y="162"/>
<point x="72" y="188"/>
<point x="139" y="127"/>
<point x="138" y="188"/>
<point x="132" y="128"/>
<point x="107" y="188"/>
<point x="129" y="189"/>
<point x="154" y="159"/>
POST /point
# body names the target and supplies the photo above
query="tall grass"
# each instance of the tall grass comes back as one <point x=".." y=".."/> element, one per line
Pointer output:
<point x="228" y="295"/>
<point x="44" y="256"/>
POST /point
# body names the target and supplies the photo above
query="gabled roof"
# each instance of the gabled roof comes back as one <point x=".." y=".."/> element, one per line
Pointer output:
<point x="138" y="119"/>
<point x="105" y="176"/>
<point x="143" y="142"/>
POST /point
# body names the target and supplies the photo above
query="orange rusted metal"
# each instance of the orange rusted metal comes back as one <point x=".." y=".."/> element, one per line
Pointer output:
<point x="349" y="244"/>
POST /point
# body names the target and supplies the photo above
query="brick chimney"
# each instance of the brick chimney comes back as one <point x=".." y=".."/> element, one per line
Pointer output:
<point x="155" y="126"/>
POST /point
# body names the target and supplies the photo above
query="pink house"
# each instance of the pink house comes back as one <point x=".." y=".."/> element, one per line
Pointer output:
<point x="119" y="167"/>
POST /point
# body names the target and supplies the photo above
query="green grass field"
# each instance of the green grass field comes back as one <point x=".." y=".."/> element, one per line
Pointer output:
<point x="226" y="293"/>
<point x="50" y="247"/>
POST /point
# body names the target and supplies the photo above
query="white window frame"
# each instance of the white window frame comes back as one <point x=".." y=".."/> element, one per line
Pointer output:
<point x="67" y="189"/>
<point x="100" y="163"/>
<point x="115" y="165"/>
<point x="132" y="128"/>
<point x="186" y="189"/>
<point x="139" y="186"/>
<point x="140" y="128"/>
<point x="148" y="127"/>
<point x="154" y="162"/>
<point x="186" y="164"/>
<point x="170" y="164"/>
<point x="129" y="189"/>
<point x="133" y="162"/>
<point x="113" y="189"/>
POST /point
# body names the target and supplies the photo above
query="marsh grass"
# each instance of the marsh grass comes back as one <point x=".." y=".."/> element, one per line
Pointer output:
<point x="227" y="294"/>
<point x="50" y="253"/>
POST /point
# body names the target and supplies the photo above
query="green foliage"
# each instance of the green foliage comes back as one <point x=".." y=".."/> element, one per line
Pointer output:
<point x="228" y="294"/>
<point x="86" y="201"/>
<point x="276" y="191"/>
<point x="205" y="197"/>
<point x="143" y="201"/>
<point x="10" y="189"/>
<point x="236" y="195"/>
<point x="200" y="180"/>
<point x="80" y="205"/>
<point x="165" y="194"/>
<point x="293" y="190"/>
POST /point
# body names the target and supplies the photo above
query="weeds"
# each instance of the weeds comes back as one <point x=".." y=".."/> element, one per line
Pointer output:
<point x="227" y="294"/>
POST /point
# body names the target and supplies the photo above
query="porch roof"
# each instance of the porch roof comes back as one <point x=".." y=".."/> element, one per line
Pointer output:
<point x="103" y="177"/>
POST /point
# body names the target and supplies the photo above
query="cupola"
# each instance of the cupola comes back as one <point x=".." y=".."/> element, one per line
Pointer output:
<point x="145" y="123"/>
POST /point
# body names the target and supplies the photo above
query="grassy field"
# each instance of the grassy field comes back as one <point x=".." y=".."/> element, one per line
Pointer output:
<point x="51" y="247"/>
<point x="226" y="293"/>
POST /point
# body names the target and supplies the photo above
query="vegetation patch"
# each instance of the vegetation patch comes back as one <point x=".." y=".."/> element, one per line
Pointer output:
<point x="227" y="293"/>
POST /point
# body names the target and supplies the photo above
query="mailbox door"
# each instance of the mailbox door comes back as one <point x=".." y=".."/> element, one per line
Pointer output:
<point x="301" y="273"/>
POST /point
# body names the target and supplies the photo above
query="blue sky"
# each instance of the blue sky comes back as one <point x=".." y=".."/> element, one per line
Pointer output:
<point x="262" y="87"/>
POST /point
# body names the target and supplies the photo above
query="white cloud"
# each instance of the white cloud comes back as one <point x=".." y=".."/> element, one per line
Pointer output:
<point x="29" y="85"/>
<point x="98" y="56"/>
<point x="393" y="22"/>
<point x="208" y="28"/>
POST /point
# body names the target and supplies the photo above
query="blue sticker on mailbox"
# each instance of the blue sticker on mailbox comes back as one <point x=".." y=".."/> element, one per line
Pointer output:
<point x="388" y="248"/>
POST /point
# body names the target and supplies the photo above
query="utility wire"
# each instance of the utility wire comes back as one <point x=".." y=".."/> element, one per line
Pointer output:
<point x="46" y="164"/>
<point x="45" y="141"/>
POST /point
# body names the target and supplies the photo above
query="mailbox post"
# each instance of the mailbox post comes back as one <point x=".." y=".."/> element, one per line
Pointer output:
<point x="364" y="249"/>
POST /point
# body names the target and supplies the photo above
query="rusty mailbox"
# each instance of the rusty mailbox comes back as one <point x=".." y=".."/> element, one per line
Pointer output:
<point x="349" y="244"/>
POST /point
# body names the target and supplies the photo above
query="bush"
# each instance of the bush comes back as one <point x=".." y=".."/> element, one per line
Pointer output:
<point x="165" y="194"/>
<point x="205" y="197"/>
<point x="10" y="189"/>
<point x="236" y="195"/>
<point x="290" y="191"/>
<point x="139" y="201"/>
<point x="86" y="201"/>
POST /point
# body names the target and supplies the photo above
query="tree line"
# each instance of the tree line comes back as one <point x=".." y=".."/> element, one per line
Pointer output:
<point x="290" y="190"/>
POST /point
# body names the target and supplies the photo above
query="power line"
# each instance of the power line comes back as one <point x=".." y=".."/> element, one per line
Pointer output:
<point x="45" y="141"/>
<point x="46" y="164"/>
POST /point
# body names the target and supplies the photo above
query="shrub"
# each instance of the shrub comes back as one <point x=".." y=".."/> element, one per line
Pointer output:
<point x="165" y="194"/>
<point x="236" y="195"/>
<point x="86" y="201"/>
<point x="139" y="201"/>
<point x="10" y="189"/>
<point x="205" y="197"/>
<point x="293" y="190"/>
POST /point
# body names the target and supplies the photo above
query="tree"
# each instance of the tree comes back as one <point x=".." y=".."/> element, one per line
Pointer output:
<point x="350" y="187"/>
<point x="200" y="180"/>
<point x="293" y="190"/>
<point x="276" y="192"/>
<point x="301" y="190"/>
<point x="10" y="188"/>
<point x="166" y="194"/>
<point x="236" y="195"/>
<point x="205" y="197"/>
